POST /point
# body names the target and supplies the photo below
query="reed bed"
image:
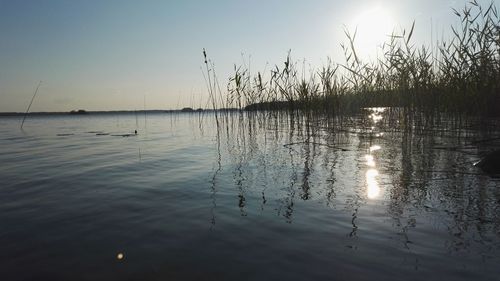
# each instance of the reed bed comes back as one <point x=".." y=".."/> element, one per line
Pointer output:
<point x="458" y="77"/>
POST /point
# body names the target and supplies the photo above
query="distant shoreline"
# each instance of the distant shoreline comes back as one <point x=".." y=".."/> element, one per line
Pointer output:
<point x="97" y="112"/>
<point x="88" y="112"/>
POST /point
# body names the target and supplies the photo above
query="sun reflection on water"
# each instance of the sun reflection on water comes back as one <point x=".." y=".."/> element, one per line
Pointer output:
<point x="370" y="160"/>
<point x="376" y="114"/>
<point x="373" y="189"/>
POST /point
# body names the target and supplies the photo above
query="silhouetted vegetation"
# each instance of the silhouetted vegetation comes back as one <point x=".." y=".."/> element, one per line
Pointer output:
<point x="458" y="76"/>
<point x="79" y="111"/>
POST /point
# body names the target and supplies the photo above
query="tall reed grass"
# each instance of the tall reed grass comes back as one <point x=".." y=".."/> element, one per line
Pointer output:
<point x="460" y="76"/>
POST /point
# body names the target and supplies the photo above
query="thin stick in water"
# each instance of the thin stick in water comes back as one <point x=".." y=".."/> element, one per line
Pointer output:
<point x="31" y="102"/>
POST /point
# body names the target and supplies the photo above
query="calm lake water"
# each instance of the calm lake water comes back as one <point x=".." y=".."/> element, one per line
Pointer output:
<point x="264" y="198"/>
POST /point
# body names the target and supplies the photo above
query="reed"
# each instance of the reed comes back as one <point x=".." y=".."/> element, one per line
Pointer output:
<point x="462" y="79"/>
<point x="31" y="102"/>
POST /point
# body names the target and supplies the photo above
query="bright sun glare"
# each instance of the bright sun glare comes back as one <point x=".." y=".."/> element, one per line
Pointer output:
<point x="374" y="25"/>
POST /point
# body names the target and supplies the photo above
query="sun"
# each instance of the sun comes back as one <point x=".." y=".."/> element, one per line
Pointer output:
<point x="374" y="26"/>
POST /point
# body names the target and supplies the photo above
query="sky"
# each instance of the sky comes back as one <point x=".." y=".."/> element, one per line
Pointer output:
<point x="130" y="55"/>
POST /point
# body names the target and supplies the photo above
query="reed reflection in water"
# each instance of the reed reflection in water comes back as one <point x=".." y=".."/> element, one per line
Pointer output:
<point x="408" y="183"/>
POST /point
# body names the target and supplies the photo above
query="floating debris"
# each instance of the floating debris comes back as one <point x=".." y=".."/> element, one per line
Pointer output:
<point x="124" y="135"/>
<point x="64" y="135"/>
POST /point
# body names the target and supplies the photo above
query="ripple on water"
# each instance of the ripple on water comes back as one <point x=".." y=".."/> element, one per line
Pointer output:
<point x="264" y="204"/>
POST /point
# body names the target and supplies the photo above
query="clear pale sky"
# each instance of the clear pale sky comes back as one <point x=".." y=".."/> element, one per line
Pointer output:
<point x="111" y="55"/>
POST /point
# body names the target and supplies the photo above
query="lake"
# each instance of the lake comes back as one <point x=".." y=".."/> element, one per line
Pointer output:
<point x="264" y="196"/>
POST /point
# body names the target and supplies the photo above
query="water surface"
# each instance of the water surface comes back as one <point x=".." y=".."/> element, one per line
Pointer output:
<point x="265" y="197"/>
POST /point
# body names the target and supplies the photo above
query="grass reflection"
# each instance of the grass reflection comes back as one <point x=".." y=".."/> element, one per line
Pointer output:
<point x="301" y="160"/>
